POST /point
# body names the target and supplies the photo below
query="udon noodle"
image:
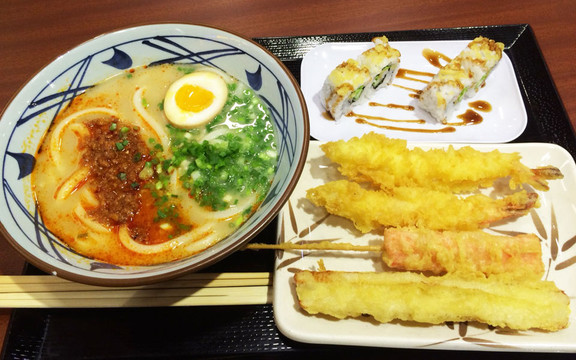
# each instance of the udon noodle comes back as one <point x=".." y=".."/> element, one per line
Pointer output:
<point x="118" y="182"/>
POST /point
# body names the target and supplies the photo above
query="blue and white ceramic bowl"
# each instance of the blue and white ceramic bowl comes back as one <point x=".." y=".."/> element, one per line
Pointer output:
<point x="27" y="118"/>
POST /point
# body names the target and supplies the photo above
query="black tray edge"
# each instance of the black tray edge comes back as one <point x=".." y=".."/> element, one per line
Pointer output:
<point x="548" y="122"/>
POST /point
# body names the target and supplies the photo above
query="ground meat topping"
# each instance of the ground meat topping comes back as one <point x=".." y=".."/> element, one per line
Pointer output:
<point x="115" y="153"/>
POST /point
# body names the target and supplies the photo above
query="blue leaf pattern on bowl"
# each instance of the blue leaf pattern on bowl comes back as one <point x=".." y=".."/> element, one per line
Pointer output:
<point x="25" y="163"/>
<point x="182" y="53"/>
<point x="255" y="78"/>
<point x="120" y="60"/>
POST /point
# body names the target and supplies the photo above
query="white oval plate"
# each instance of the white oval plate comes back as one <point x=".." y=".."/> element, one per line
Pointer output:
<point x="504" y="123"/>
<point x="301" y="220"/>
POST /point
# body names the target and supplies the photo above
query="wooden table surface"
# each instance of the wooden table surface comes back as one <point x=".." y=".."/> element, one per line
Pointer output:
<point x="33" y="33"/>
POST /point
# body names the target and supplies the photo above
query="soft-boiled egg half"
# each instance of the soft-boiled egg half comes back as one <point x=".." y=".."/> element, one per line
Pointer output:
<point x="195" y="99"/>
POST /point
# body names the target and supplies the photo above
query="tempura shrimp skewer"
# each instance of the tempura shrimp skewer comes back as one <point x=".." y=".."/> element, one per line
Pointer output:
<point x="388" y="163"/>
<point x="370" y="210"/>
<point x="441" y="252"/>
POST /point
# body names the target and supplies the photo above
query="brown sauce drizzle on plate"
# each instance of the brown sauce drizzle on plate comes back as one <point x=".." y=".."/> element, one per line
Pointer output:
<point x="434" y="57"/>
<point x="404" y="74"/>
<point x="372" y="117"/>
<point x="446" y="129"/>
<point x="326" y="115"/>
<point x="415" y="92"/>
<point x="480" y="105"/>
<point x="393" y="106"/>
<point x="470" y="117"/>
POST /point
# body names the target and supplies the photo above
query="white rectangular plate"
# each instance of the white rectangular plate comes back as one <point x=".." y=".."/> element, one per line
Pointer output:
<point x="504" y="123"/>
<point x="300" y="220"/>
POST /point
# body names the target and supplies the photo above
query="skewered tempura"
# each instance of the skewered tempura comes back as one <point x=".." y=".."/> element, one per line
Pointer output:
<point x="411" y="206"/>
<point x="387" y="296"/>
<point x="471" y="252"/>
<point x="387" y="163"/>
<point x="438" y="252"/>
<point x="428" y="206"/>
<point x="460" y="78"/>
<point x="355" y="80"/>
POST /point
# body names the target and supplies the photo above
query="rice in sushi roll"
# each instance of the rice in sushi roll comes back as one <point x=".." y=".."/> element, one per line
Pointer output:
<point x="354" y="81"/>
<point x="460" y="78"/>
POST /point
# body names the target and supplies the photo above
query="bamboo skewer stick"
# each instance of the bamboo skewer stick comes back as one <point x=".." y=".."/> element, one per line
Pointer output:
<point x="42" y="291"/>
<point x="4" y="279"/>
<point x="39" y="283"/>
<point x="322" y="245"/>
<point x="193" y="289"/>
<point x="260" y="295"/>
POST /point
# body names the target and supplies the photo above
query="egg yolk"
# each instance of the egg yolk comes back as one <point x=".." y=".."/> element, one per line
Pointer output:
<point x="193" y="98"/>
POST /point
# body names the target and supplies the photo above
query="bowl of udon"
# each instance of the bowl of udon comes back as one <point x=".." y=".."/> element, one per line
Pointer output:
<point x="149" y="152"/>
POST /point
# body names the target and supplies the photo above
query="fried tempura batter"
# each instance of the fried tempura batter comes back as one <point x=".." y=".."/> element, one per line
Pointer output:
<point x="474" y="252"/>
<point x="387" y="296"/>
<point x="370" y="210"/>
<point x="437" y="252"/>
<point x="389" y="163"/>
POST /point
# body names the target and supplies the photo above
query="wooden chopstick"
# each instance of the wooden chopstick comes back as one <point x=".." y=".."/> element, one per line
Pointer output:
<point x="26" y="291"/>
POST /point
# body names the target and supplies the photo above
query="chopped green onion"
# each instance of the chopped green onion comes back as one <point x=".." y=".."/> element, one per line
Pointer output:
<point x="219" y="172"/>
<point x="185" y="70"/>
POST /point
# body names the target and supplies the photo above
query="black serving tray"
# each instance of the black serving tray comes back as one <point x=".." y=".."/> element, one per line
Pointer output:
<point x="249" y="331"/>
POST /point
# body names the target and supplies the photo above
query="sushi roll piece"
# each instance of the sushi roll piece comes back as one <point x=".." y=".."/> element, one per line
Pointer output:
<point x="383" y="62"/>
<point x="344" y="87"/>
<point x="356" y="80"/>
<point x="460" y="78"/>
